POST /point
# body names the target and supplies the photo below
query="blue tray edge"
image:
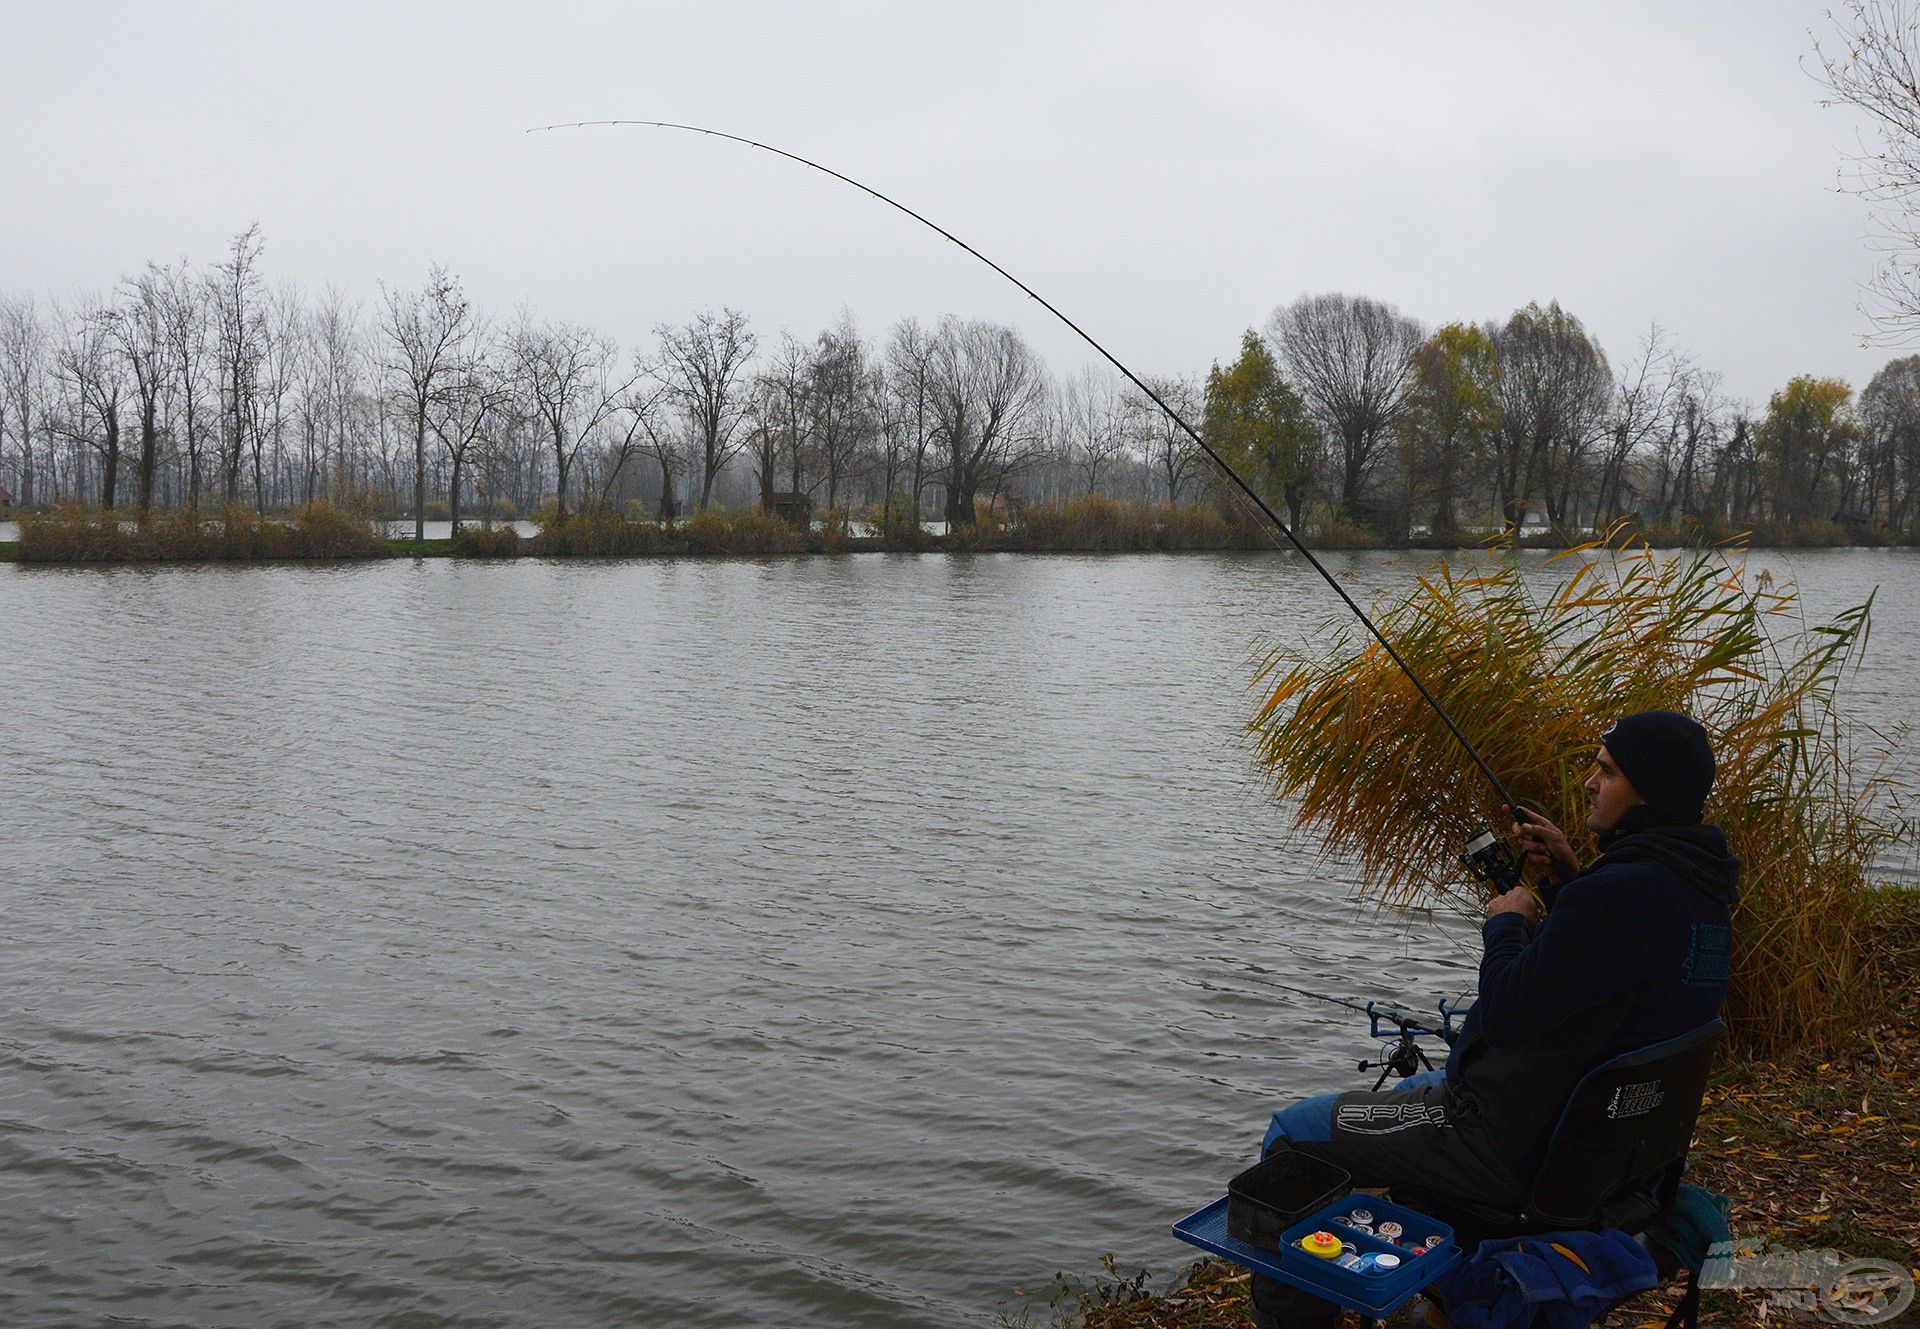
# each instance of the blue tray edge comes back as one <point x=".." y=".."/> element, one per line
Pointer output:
<point x="1191" y="1230"/>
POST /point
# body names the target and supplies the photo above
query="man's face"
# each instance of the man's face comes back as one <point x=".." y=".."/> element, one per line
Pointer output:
<point x="1611" y="793"/>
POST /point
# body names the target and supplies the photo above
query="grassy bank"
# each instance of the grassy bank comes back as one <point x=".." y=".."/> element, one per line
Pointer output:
<point x="1087" y="524"/>
<point x="229" y="534"/>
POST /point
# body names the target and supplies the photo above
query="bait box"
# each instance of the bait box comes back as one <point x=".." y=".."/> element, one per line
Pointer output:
<point x="1374" y="1295"/>
<point x="1279" y="1191"/>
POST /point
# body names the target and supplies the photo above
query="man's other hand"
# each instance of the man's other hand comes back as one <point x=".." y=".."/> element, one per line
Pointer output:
<point x="1520" y="900"/>
<point x="1545" y="845"/>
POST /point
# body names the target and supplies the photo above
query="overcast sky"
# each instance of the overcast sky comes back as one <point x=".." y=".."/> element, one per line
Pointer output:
<point x="1166" y="173"/>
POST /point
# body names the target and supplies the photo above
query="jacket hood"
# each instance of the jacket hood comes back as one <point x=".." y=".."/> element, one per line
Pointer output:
<point x="1695" y="853"/>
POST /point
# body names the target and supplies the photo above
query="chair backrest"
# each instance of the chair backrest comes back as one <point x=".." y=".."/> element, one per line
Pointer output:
<point x="1628" y="1121"/>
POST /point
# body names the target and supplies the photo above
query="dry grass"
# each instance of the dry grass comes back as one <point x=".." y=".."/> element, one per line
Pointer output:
<point x="600" y="533"/>
<point x="90" y="535"/>
<point x="1533" y="683"/>
<point x="604" y="533"/>
<point x="746" y="531"/>
<point x="1095" y="523"/>
<point x="487" y="542"/>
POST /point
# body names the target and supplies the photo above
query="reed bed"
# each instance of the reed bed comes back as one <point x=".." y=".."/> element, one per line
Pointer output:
<point x="487" y="542"/>
<point x="76" y="534"/>
<point x="1532" y="682"/>
<point x="605" y="533"/>
<point x="1094" y="523"/>
<point x="601" y="533"/>
<point x="747" y="531"/>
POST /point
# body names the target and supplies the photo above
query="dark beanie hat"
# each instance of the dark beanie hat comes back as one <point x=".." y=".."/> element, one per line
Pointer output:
<point x="1666" y="757"/>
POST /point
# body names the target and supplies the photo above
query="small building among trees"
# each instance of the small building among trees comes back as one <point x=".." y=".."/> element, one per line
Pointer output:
<point x="792" y="507"/>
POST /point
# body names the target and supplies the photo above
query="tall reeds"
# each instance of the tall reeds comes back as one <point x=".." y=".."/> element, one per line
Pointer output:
<point x="75" y="534"/>
<point x="1533" y="680"/>
<point x="1094" y="523"/>
<point x="606" y="533"/>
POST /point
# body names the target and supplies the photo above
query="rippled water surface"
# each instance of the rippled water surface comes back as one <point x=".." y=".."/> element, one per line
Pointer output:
<point x="808" y="942"/>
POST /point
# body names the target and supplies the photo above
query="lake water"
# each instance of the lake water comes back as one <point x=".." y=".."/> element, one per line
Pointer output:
<point x="808" y="942"/>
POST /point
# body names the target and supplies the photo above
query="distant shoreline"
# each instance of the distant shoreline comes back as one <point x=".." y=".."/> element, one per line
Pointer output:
<point x="1089" y="524"/>
<point x="817" y="547"/>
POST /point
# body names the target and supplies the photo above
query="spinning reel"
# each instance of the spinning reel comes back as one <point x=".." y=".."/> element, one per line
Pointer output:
<point x="1493" y="859"/>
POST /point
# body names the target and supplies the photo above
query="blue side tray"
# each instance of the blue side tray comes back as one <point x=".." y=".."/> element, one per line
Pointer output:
<point x="1374" y="1295"/>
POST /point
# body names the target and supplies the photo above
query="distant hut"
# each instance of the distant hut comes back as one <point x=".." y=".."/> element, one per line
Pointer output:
<point x="795" y="508"/>
<point x="6" y="497"/>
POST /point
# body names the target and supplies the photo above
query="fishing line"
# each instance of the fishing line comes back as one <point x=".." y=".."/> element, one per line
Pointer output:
<point x="1246" y="489"/>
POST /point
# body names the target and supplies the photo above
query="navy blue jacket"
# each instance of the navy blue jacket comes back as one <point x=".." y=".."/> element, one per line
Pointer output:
<point x="1634" y="951"/>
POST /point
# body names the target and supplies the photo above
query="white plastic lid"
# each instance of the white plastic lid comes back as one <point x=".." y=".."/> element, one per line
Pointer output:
<point x="1385" y="1261"/>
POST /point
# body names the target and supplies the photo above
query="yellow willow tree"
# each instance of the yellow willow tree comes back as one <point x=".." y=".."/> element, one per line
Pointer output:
<point x="1532" y="674"/>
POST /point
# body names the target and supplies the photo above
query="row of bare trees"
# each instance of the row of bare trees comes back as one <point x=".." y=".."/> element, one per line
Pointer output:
<point x="211" y="385"/>
<point x="190" y="385"/>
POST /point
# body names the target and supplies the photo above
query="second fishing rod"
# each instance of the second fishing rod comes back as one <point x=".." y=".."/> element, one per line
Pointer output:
<point x="1488" y="856"/>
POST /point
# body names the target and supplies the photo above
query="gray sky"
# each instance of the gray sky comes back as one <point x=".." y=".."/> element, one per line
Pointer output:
<point x="1166" y="173"/>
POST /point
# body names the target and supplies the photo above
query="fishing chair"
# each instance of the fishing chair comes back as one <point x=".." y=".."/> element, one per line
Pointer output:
<point x="1615" y="1157"/>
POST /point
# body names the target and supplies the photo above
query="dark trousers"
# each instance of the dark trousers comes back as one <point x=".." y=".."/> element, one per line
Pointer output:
<point x="1413" y="1135"/>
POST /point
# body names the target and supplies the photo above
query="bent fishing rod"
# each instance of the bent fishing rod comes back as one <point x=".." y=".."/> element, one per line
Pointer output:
<point x="1487" y="856"/>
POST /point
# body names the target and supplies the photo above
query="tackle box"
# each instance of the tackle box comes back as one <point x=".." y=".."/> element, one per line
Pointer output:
<point x="1376" y="1295"/>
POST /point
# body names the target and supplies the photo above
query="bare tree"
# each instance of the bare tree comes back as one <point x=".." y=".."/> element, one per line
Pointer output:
<point x="24" y="353"/>
<point x="1350" y="357"/>
<point x="986" y="388"/>
<point x="706" y="363"/>
<point x="425" y="329"/>
<point x="1644" y="401"/>
<point x="283" y="348"/>
<point x="333" y="399"/>
<point x="1165" y="444"/>
<point x="1092" y="425"/>
<point x="782" y="416"/>
<point x="643" y="403"/>
<point x="138" y="327"/>
<point x="186" y="315"/>
<point x="909" y="384"/>
<point x="668" y="447"/>
<point x="1876" y="70"/>
<point x="240" y="327"/>
<point x="466" y="405"/>
<point x="1693" y="427"/>
<point x="841" y="394"/>
<point x="567" y="372"/>
<point x="90" y="367"/>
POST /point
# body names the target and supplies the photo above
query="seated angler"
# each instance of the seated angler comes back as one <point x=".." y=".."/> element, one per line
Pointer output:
<point x="1634" y="951"/>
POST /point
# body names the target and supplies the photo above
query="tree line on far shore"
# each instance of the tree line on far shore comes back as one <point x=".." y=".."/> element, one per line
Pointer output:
<point x="197" y="386"/>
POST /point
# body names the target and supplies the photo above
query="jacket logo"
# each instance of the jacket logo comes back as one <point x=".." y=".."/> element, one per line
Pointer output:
<point x="1709" y="956"/>
<point x="1635" y="1100"/>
